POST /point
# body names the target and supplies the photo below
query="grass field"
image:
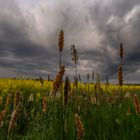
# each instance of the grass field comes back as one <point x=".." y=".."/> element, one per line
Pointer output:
<point x="28" y="112"/>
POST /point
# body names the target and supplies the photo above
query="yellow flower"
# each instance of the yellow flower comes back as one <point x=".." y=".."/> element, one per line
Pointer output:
<point x="38" y="95"/>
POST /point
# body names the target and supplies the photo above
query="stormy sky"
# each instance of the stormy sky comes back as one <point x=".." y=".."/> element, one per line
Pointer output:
<point x="29" y="31"/>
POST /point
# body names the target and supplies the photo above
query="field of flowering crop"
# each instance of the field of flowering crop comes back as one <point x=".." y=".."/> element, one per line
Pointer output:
<point x="30" y="110"/>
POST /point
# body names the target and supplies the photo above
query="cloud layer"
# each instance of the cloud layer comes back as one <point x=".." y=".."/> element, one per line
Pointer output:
<point x="29" y="30"/>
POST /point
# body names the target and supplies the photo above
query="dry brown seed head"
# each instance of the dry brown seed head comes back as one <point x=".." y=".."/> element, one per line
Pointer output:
<point x="79" y="127"/>
<point x="66" y="90"/>
<point x="61" y="41"/>
<point x="120" y="75"/>
<point x="121" y="50"/>
<point x="1" y="99"/>
<point x="14" y="117"/>
<point x="136" y="104"/>
<point x="17" y="99"/>
<point x="58" y="80"/>
<point x="44" y="103"/>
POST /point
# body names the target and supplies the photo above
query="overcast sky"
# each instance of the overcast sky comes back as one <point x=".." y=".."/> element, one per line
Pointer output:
<point x="29" y="31"/>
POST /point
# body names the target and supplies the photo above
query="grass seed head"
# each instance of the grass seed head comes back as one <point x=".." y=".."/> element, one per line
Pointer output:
<point x="8" y="99"/>
<point x="74" y="54"/>
<point x="17" y="99"/>
<point x="120" y="75"/>
<point x="58" y="80"/>
<point x="61" y="40"/>
<point x="44" y="103"/>
<point x="66" y="90"/>
<point x="79" y="127"/>
<point x="14" y="117"/>
<point x="121" y="51"/>
<point x="136" y="104"/>
<point x="1" y="100"/>
<point x="2" y="116"/>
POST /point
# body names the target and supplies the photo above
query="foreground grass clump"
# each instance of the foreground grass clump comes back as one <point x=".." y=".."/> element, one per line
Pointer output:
<point x="33" y="114"/>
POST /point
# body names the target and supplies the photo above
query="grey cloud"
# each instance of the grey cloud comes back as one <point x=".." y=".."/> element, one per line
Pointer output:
<point x="96" y="28"/>
<point x="17" y="52"/>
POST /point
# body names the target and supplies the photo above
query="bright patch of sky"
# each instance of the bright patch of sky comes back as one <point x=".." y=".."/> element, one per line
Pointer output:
<point x="26" y="4"/>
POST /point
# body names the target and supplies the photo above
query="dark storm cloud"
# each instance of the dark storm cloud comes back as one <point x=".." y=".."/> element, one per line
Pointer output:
<point x="17" y="52"/>
<point x="28" y="40"/>
<point x="119" y="22"/>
